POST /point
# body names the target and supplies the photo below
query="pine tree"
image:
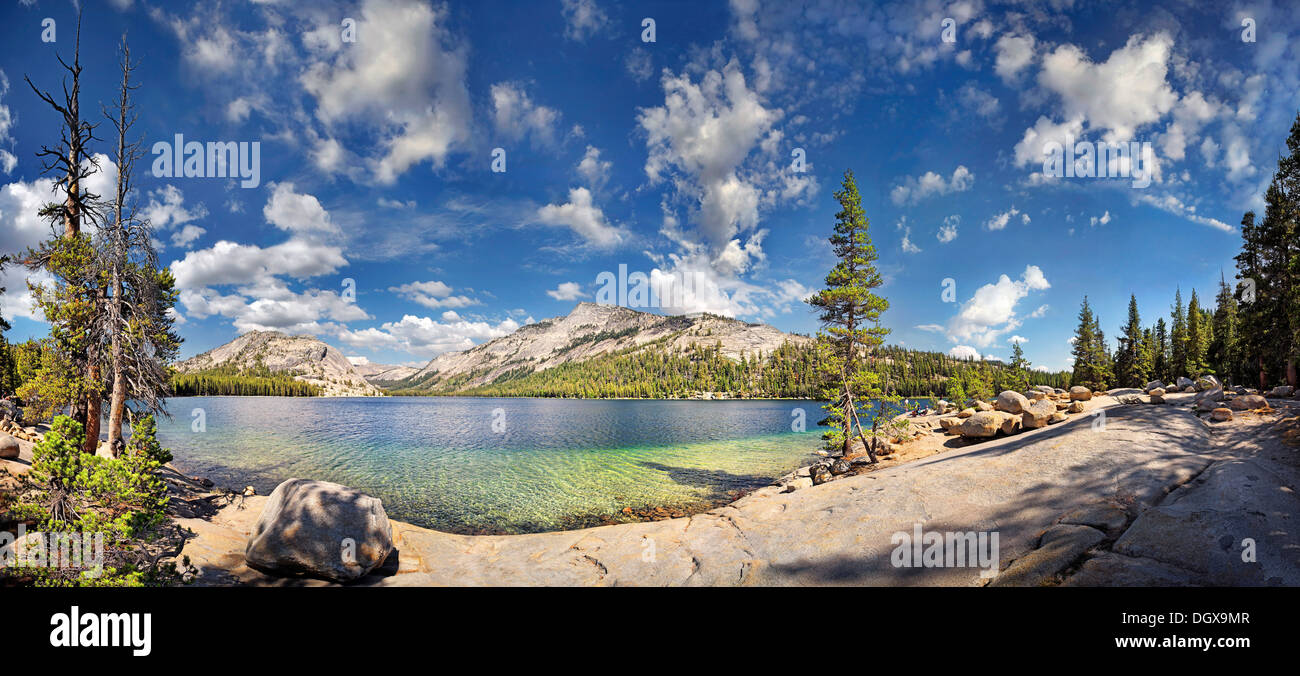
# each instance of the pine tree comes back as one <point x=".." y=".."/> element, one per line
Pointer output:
<point x="1196" y="338"/>
<point x="1018" y="378"/>
<point x="1092" y="367"/>
<point x="1178" y="339"/>
<point x="850" y="319"/>
<point x="1130" y="363"/>
<point x="1160" y="351"/>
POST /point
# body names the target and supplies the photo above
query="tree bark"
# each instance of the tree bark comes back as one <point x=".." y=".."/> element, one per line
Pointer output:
<point x="94" y="410"/>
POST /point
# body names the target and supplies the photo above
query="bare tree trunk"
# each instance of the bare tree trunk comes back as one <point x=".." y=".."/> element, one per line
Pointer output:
<point x="117" y="408"/>
<point x="94" y="410"/>
<point x="1290" y="372"/>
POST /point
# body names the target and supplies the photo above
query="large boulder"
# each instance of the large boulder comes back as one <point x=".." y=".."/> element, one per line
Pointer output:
<point x="321" y="529"/>
<point x="1247" y="401"/>
<point x="966" y="413"/>
<point x="1045" y="389"/>
<point x="1183" y="383"/>
<point x="1204" y="405"/>
<point x="1039" y="414"/>
<point x="1075" y="407"/>
<point x="1153" y="385"/>
<point x="1080" y="393"/>
<point x="983" y="424"/>
<point x="8" y="447"/>
<point x="1281" y="391"/>
<point x="1208" y="383"/>
<point x="1221" y="414"/>
<point x="1010" y="401"/>
<point x="983" y="406"/>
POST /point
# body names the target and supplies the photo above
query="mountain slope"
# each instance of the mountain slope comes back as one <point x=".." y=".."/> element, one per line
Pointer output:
<point x="379" y="374"/>
<point x="304" y="357"/>
<point x="587" y="332"/>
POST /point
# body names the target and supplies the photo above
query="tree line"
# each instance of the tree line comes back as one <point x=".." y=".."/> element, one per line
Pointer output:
<point x="1250" y="336"/>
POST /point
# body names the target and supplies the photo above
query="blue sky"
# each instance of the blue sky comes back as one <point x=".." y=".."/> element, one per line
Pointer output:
<point x="671" y="157"/>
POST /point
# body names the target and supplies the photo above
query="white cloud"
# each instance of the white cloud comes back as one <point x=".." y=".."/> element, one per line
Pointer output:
<point x="187" y="235"/>
<point x="432" y="294"/>
<point x="1120" y="95"/>
<point x="1100" y="220"/>
<point x="913" y="189"/>
<point x="567" y="291"/>
<point x="296" y="213"/>
<point x="405" y="78"/>
<point x="580" y="215"/>
<point x="1017" y="339"/>
<point x="1014" y="54"/>
<point x="231" y="263"/>
<point x="991" y="311"/>
<point x="515" y="115"/>
<point x="948" y="231"/>
<point x="7" y="159"/>
<point x="705" y="131"/>
<point x="582" y="18"/>
<point x="593" y="168"/>
<point x="963" y="352"/>
<point x="427" y="337"/>
<point x="999" y="221"/>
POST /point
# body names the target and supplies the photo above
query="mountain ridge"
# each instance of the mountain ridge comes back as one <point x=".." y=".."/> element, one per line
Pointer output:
<point x="588" y="331"/>
<point x="306" y="358"/>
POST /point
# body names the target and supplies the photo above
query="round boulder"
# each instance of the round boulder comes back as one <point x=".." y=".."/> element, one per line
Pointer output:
<point x="1080" y="393"/>
<point x="1010" y="401"/>
<point x="8" y="447"/>
<point x="1075" y="407"/>
<point x="983" y="424"/>
<point x="1221" y="414"/>
<point x="1247" y="401"/>
<point x="321" y="529"/>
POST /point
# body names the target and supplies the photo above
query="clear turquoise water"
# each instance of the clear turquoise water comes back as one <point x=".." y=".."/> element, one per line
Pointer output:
<point x="437" y="461"/>
<point x="549" y="464"/>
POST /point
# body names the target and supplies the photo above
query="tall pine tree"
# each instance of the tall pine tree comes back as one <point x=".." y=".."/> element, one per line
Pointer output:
<point x="850" y="319"/>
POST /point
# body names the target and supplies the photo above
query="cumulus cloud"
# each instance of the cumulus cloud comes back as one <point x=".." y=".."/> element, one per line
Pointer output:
<point x="567" y="291"/>
<point x="703" y="133"/>
<point x="948" y="231"/>
<point x="594" y="169"/>
<point x="515" y="115"/>
<point x="963" y="352"/>
<point x="583" y="217"/>
<point x="428" y="337"/>
<point x="1117" y="96"/>
<point x="991" y="311"/>
<point x="999" y="221"/>
<point x="405" y="80"/>
<point x="1014" y="54"/>
<point x="432" y="294"/>
<point x="296" y="212"/>
<point x="913" y="189"/>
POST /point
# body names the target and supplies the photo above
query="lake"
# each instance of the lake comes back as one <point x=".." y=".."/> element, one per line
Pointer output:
<point x="508" y="465"/>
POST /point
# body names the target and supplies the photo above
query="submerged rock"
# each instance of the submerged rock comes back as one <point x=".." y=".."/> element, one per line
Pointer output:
<point x="320" y="528"/>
